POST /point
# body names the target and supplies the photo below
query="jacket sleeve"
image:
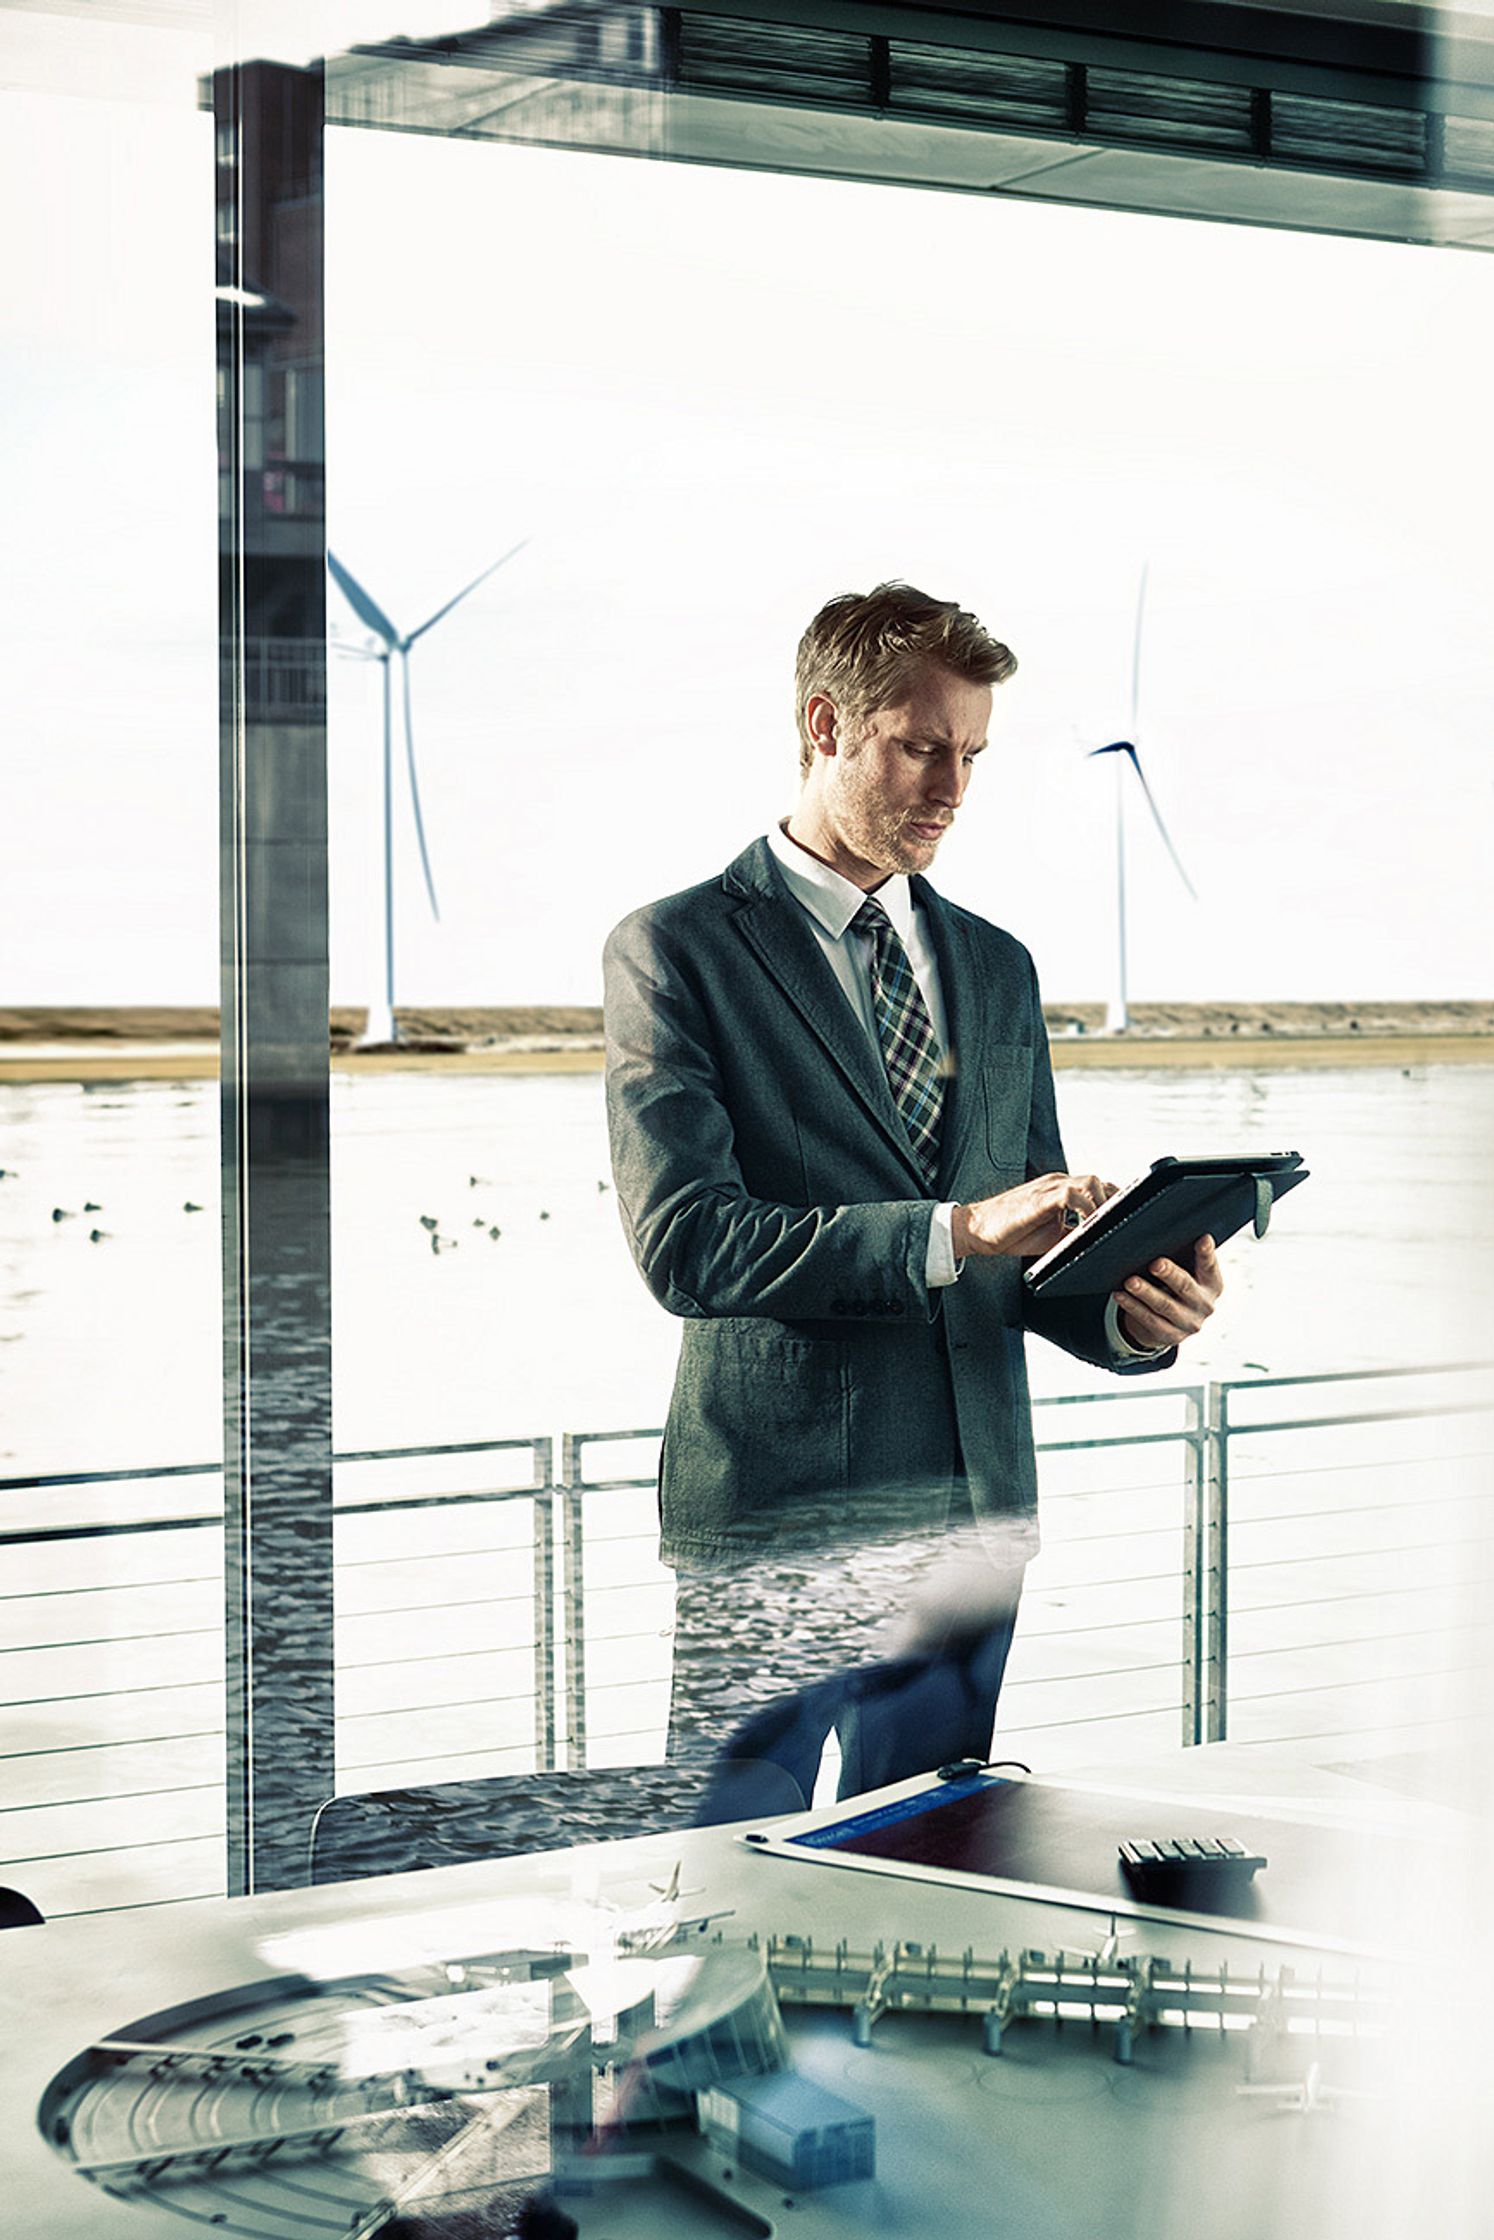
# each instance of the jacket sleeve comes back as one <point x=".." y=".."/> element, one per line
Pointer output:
<point x="1077" y="1325"/>
<point x="705" y="1245"/>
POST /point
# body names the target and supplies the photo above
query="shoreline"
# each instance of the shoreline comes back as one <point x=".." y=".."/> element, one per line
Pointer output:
<point x="123" y="1062"/>
<point x="71" y="1043"/>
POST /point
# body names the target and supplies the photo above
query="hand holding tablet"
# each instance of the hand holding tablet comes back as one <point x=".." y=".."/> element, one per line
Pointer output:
<point x="1162" y="1215"/>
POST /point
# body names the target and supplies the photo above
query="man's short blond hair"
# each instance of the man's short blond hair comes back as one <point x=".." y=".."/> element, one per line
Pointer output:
<point x="864" y="649"/>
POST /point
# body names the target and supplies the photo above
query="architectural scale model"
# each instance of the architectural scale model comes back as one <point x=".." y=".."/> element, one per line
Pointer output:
<point x="1128" y="1993"/>
<point x="653" y="2066"/>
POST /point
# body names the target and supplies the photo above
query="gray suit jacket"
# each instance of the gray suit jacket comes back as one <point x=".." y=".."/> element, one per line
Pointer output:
<point x="771" y="1198"/>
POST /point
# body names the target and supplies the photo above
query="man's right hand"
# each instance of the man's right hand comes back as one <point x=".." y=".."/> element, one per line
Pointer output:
<point x="1028" y="1220"/>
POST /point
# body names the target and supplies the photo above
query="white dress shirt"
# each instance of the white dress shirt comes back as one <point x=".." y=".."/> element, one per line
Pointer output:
<point x="831" y="902"/>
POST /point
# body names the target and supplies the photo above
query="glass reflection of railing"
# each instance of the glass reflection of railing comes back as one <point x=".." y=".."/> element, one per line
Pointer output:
<point x="285" y="680"/>
<point x="1295" y="1561"/>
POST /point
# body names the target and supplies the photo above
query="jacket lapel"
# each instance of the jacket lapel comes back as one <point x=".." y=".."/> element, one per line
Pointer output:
<point x="779" y="933"/>
<point x="964" y="1010"/>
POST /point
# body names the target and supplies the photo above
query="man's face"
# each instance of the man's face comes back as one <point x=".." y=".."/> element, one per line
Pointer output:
<point x="891" y="790"/>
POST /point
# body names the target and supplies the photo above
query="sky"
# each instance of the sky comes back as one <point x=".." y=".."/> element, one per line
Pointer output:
<point x="709" y="401"/>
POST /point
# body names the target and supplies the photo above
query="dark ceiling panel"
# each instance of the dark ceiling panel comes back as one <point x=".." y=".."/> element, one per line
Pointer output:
<point x="1197" y="96"/>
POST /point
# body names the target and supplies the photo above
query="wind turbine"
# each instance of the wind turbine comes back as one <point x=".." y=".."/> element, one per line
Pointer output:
<point x="1117" y="1018"/>
<point x="381" y="1024"/>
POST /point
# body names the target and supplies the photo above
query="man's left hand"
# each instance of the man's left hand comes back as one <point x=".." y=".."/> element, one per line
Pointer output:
<point x="1168" y="1303"/>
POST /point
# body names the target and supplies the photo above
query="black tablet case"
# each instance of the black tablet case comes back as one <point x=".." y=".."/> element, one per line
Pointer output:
<point x="1174" y="1203"/>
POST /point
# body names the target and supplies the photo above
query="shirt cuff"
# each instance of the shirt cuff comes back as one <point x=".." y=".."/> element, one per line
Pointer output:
<point x="941" y="1267"/>
<point x="1120" y="1345"/>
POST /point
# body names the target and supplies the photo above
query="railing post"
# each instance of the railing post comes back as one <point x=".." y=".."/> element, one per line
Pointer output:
<point x="1215" y="1567"/>
<point x="573" y="1639"/>
<point x="544" y="1603"/>
<point x="1195" y="1546"/>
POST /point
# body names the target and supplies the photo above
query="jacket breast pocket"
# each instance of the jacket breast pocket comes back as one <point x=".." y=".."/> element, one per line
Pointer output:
<point x="1008" y="1100"/>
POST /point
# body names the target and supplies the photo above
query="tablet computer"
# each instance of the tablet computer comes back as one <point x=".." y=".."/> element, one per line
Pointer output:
<point x="1161" y="1215"/>
<point x="1059" y="1840"/>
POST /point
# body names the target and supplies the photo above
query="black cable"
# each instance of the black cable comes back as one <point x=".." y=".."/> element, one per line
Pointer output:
<point x="960" y="1769"/>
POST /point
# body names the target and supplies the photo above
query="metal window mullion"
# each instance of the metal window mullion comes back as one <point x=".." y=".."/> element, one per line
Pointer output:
<point x="1434" y="147"/>
<point x="232" y="693"/>
<point x="1077" y="98"/>
<point x="277" y="1518"/>
<point x="880" y="71"/>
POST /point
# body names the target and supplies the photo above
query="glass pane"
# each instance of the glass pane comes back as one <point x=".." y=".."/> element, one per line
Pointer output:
<point x="111" y="1625"/>
<point x="594" y="494"/>
<point x="605" y="435"/>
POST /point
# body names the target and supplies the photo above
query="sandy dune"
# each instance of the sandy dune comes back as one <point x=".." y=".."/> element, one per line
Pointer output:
<point x="578" y="1026"/>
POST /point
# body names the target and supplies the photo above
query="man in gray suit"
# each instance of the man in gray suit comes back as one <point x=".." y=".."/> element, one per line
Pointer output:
<point x="835" y="1142"/>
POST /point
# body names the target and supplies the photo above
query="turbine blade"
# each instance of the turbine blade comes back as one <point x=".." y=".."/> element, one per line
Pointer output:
<point x="425" y="861"/>
<point x="1157" y="819"/>
<point x="1116" y="746"/>
<point x="366" y="609"/>
<point x="442" y="612"/>
<point x="1136" y="651"/>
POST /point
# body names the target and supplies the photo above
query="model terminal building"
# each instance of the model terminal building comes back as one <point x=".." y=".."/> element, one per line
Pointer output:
<point x="786" y="2129"/>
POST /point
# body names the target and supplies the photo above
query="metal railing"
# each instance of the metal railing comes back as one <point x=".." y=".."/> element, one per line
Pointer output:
<point x="1365" y="1522"/>
<point x="1224" y="1559"/>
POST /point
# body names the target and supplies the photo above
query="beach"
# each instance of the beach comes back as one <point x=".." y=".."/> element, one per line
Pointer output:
<point x="180" y="1043"/>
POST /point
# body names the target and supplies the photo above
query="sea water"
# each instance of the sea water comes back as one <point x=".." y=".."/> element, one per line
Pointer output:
<point x="483" y="1287"/>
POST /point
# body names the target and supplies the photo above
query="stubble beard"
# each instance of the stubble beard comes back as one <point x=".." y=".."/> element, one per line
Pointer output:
<point x="903" y="853"/>
<point x="881" y="838"/>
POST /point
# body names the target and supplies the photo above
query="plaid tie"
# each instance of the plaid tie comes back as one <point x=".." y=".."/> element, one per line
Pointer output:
<point x="909" y="1046"/>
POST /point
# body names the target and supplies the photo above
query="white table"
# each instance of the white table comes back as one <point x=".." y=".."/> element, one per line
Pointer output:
<point x="1052" y="2141"/>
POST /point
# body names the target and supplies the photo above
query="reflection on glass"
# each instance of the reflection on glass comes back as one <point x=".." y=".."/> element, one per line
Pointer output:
<point x="663" y="391"/>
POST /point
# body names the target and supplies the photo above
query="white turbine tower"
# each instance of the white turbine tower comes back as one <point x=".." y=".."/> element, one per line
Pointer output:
<point x="1117" y="1018"/>
<point x="381" y="1025"/>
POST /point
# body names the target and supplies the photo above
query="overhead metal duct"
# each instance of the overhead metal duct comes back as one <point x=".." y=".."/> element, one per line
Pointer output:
<point x="1368" y="123"/>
